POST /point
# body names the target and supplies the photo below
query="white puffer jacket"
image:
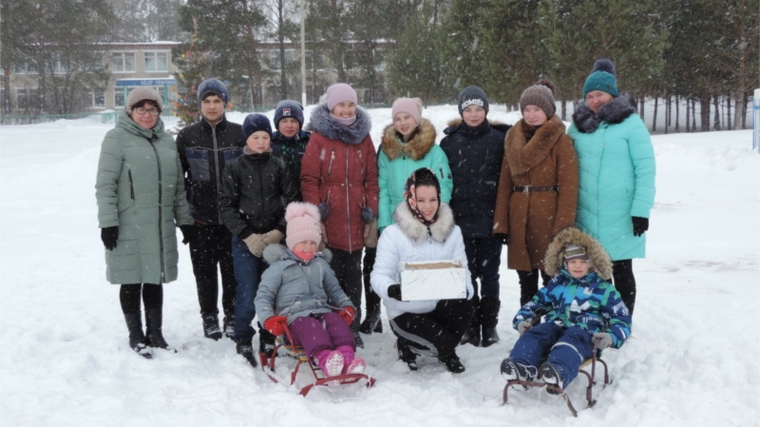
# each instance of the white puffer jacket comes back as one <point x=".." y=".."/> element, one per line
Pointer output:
<point x="408" y="240"/>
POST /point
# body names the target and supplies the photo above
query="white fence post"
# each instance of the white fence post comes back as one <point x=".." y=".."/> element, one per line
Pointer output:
<point x="756" y="121"/>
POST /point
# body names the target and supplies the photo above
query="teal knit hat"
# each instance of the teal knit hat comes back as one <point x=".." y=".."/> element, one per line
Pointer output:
<point x="602" y="78"/>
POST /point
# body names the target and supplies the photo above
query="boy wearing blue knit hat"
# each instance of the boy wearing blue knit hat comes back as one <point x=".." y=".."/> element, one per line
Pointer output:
<point x="204" y="149"/>
<point x="255" y="190"/>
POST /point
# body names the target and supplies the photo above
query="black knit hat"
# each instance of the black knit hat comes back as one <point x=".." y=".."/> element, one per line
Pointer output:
<point x="256" y="122"/>
<point x="472" y="95"/>
<point x="213" y="86"/>
<point x="288" y="108"/>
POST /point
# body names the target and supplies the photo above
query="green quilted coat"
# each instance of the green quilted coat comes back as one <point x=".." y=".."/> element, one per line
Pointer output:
<point x="140" y="189"/>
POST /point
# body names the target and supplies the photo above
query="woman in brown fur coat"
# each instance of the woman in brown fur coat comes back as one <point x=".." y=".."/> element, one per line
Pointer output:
<point x="538" y="186"/>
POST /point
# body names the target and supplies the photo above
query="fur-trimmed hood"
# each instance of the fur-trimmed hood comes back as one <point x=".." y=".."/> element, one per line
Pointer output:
<point x="412" y="227"/>
<point x="321" y="122"/>
<point x="523" y="154"/>
<point x="599" y="260"/>
<point x="613" y="112"/>
<point x="274" y="253"/>
<point x="417" y="148"/>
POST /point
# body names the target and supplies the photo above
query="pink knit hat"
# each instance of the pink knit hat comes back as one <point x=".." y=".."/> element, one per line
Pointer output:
<point x="338" y="93"/>
<point x="303" y="224"/>
<point x="411" y="106"/>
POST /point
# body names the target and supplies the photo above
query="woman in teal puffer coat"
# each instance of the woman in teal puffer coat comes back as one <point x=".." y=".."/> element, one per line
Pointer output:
<point x="141" y="199"/>
<point x="616" y="174"/>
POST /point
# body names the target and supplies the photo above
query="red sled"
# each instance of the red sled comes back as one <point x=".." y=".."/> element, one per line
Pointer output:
<point x="286" y="343"/>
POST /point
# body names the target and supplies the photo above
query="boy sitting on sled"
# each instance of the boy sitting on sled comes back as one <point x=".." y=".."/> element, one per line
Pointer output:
<point x="581" y="307"/>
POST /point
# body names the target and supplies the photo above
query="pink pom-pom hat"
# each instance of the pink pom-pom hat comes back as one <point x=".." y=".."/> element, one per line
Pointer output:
<point x="303" y="224"/>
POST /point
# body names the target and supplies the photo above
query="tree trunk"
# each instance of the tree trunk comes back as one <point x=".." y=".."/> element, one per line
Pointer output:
<point x="688" y="115"/>
<point x="704" y="112"/>
<point x="729" y="124"/>
<point x="678" y="111"/>
<point x="694" y="115"/>
<point x="654" y="118"/>
<point x="716" y="120"/>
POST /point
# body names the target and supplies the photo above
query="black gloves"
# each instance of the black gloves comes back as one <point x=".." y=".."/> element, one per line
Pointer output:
<point x="503" y="237"/>
<point x="368" y="215"/>
<point x="188" y="232"/>
<point x="394" y="291"/>
<point x="109" y="236"/>
<point x="640" y="225"/>
<point x="324" y="210"/>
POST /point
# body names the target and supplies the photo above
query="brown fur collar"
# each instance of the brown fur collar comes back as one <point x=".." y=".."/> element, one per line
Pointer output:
<point x="523" y="155"/>
<point x="417" y="148"/>
<point x="599" y="261"/>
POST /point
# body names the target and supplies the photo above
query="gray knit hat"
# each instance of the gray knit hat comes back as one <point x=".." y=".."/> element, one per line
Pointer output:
<point x="140" y="94"/>
<point x="542" y="96"/>
<point x="575" y="252"/>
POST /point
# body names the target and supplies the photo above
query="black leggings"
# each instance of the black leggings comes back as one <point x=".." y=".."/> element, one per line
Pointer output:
<point x="625" y="283"/>
<point x="129" y="296"/>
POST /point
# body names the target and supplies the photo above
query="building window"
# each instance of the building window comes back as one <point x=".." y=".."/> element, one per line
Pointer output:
<point x="98" y="99"/>
<point x="27" y="98"/>
<point x="57" y="67"/>
<point x="25" y="68"/>
<point x="118" y="96"/>
<point x="156" y="62"/>
<point x="123" y="62"/>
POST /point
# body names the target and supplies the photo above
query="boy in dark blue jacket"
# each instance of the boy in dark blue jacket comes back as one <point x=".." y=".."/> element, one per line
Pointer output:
<point x="581" y="308"/>
<point x="475" y="149"/>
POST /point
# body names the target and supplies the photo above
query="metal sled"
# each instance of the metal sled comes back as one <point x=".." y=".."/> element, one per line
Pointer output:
<point x="553" y="389"/>
<point x="286" y="344"/>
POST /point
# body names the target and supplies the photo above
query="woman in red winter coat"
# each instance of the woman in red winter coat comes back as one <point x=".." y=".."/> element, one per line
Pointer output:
<point x="339" y="175"/>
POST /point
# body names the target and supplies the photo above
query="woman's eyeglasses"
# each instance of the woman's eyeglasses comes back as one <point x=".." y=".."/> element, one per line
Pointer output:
<point x="142" y="110"/>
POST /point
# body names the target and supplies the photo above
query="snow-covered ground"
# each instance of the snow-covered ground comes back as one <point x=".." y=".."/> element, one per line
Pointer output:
<point x="64" y="359"/>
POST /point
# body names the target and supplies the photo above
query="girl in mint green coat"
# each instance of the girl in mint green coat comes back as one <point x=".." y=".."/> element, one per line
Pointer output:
<point x="616" y="174"/>
<point x="408" y="144"/>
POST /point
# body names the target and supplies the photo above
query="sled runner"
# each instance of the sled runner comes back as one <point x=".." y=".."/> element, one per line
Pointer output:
<point x="285" y="342"/>
<point x="588" y="364"/>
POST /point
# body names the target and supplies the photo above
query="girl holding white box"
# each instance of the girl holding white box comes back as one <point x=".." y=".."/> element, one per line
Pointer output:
<point x="424" y="231"/>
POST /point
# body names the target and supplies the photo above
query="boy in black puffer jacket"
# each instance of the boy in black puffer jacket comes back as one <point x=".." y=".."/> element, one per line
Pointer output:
<point x="475" y="148"/>
<point x="255" y="190"/>
<point x="204" y="148"/>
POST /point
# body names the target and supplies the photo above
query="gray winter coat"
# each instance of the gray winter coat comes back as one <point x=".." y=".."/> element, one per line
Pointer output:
<point x="140" y="189"/>
<point x="293" y="288"/>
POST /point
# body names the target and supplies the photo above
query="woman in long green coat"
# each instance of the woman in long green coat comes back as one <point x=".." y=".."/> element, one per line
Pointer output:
<point x="616" y="168"/>
<point x="141" y="199"/>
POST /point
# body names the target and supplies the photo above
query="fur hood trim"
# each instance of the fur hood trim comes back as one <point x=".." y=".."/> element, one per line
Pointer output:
<point x="613" y="112"/>
<point x="322" y="123"/>
<point x="417" y="231"/>
<point x="522" y="154"/>
<point x="274" y="253"/>
<point x="599" y="260"/>
<point x="417" y="148"/>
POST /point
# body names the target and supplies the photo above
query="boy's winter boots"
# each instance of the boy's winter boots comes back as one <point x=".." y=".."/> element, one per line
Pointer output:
<point x="136" y="336"/>
<point x="229" y="325"/>
<point x="245" y="349"/>
<point x="154" y="335"/>
<point x="211" y="327"/>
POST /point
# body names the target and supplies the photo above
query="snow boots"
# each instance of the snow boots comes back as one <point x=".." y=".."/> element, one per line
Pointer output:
<point x="452" y="363"/>
<point x="211" y="327"/>
<point x="550" y="375"/>
<point x="489" y="318"/>
<point x="406" y="355"/>
<point x="229" y="325"/>
<point x="472" y="334"/>
<point x="512" y="370"/>
<point x="136" y="336"/>
<point x="245" y="349"/>
<point x="330" y="362"/>
<point x="153" y="335"/>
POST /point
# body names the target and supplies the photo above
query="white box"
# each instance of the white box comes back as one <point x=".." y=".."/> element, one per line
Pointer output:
<point x="426" y="280"/>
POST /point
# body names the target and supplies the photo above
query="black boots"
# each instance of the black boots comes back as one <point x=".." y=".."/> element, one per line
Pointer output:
<point x="486" y="317"/>
<point x="211" y="327"/>
<point x="154" y="336"/>
<point x="372" y="321"/>
<point x="245" y="349"/>
<point x="229" y="325"/>
<point x="136" y="335"/>
<point x="489" y="318"/>
<point x="472" y="334"/>
<point x="406" y="355"/>
<point x="452" y="363"/>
